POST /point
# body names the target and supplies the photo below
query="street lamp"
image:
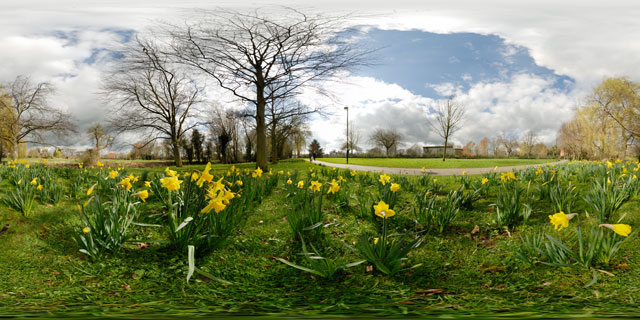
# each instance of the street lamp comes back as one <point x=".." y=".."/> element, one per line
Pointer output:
<point x="347" y="108"/>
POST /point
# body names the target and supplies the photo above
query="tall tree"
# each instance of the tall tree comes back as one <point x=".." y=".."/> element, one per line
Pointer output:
<point x="152" y="95"/>
<point x="27" y="114"/>
<point x="483" y="147"/>
<point x="315" y="150"/>
<point x="100" y="140"/>
<point x="261" y="58"/>
<point x="197" y="139"/>
<point x="447" y="121"/>
<point x="509" y="142"/>
<point x="388" y="139"/>
<point x="283" y="118"/>
<point x="528" y="143"/>
<point x="223" y="128"/>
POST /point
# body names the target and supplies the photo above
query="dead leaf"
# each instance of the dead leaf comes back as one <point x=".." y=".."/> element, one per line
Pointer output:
<point x="369" y="268"/>
<point x="134" y="276"/>
<point x="126" y="287"/>
<point x="406" y="302"/>
<point x="142" y="245"/>
<point x="430" y="291"/>
<point x="475" y="230"/>
<point x="607" y="273"/>
<point x="547" y="283"/>
<point x="493" y="269"/>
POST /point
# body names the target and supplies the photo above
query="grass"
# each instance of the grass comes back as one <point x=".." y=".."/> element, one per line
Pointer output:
<point x="461" y="274"/>
<point x="435" y="163"/>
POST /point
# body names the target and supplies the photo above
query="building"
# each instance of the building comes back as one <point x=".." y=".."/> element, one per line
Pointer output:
<point x="436" y="151"/>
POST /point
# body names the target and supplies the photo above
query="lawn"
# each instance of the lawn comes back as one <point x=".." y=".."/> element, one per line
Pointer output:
<point x="469" y="268"/>
<point x="433" y="163"/>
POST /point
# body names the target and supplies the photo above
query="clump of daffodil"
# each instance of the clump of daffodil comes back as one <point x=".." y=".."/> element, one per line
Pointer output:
<point x="169" y="172"/>
<point x="147" y="184"/>
<point x="113" y="174"/>
<point x="621" y="229"/>
<point x="315" y="186"/>
<point x="507" y="176"/>
<point x="34" y="182"/>
<point x="239" y="183"/>
<point x="99" y="164"/>
<point x="80" y="165"/>
<point x="171" y="183"/>
<point x="257" y="173"/>
<point x="353" y="173"/>
<point x="384" y="179"/>
<point x="394" y="187"/>
<point x="382" y="210"/>
<point x="126" y="183"/>
<point x="560" y="220"/>
<point x="219" y="197"/>
<point x="333" y="187"/>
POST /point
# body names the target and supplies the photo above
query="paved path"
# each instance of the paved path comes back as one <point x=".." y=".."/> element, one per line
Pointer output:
<point x="435" y="172"/>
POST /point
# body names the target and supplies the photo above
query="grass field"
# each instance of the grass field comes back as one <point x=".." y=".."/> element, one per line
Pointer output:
<point x="434" y="163"/>
<point x="459" y="272"/>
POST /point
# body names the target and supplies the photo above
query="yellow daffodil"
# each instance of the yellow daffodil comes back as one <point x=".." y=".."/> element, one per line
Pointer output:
<point x="34" y="182"/>
<point x="169" y="172"/>
<point x="621" y="229"/>
<point x="40" y="187"/>
<point x="334" y="187"/>
<point x="257" y="173"/>
<point x="464" y="173"/>
<point x="99" y="164"/>
<point x="375" y="241"/>
<point x="239" y="183"/>
<point x="80" y="165"/>
<point x="113" y="174"/>
<point x="194" y="176"/>
<point x="126" y="183"/>
<point x="91" y="189"/>
<point x="171" y="183"/>
<point x="382" y="210"/>
<point x="384" y="179"/>
<point x="353" y="173"/>
<point x="315" y="186"/>
<point x="435" y="180"/>
<point x="147" y="184"/>
<point x="560" y="220"/>
<point x="300" y="184"/>
<point x="20" y="181"/>
<point x="484" y="181"/>
<point x="143" y="195"/>
<point x="85" y="230"/>
<point x="394" y="187"/>
<point x="289" y="181"/>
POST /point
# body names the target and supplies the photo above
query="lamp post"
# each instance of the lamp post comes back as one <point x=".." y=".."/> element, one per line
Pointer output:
<point x="347" y="108"/>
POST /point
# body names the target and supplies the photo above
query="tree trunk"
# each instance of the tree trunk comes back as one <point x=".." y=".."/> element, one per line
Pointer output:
<point x="176" y="153"/>
<point x="444" y="152"/>
<point x="15" y="148"/>
<point x="261" y="131"/>
<point x="274" y="144"/>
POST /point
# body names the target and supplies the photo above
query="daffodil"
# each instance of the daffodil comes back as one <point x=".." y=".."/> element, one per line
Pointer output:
<point x="239" y="183"/>
<point x="147" y="184"/>
<point x="85" y="230"/>
<point x="20" y="181"/>
<point x="194" y="176"/>
<point x="375" y="241"/>
<point x="126" y="183"/>
<point x="464" y="173"/>
<point x="289" y="181"/>
<point x="315" y="186"/>
<point x="34" y="182"/>
<point x="80" y="165"/>
<point x="382" y="210"/>
<point x="484" y="181"/>
<point x="560" y="220"/>
<point x="171" y="183"/>
<point x="40" y="187"/>
<point x="91" y="189"/>
<point x="143" y="195"/>
<point x="257" y="173"/>
<point x="300" y="184"/>
<point x="99" y="164"/>
<point x="384" y="179"/>
<point x="334" y="187"/>
<point x="621" y="229"/>
<point x="353" y="173"/>
<point x="113" y="174"/>
<point x="169" y="172"/>
<point x="394" y="187"/>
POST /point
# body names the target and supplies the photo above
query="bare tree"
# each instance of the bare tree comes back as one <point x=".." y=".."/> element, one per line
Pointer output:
<point x="27" y="115"/>
<point x="529" y="141"/>
<point x="353" y="138"/>
<point x="448" y="120"/>
<point x="283" y="117"/>
<point x="300" y="139"/>
<point x="100" y="139"/>
<point x="509" y="142"/>
<point x="152" y="95"/>
<point x="388" y="139"/>
<point x="261" y="58"/>
<point x="483" y="147"/>
<point x="224" y="127"/>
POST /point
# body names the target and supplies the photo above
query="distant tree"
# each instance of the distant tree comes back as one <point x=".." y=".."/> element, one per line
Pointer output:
<point x="315" y="151"/>
<point x="468" y="149"/>
<point x="187" y="148"/>
<point x="353" y="139"/>
<point x="197" y="139"/>
<point x="509" y="142"/>
<point x="26" y="114"/>
<point x="540" y="150"/>
<point x="300" y="139"/>
<point x="414" y="151"/>
<point x="208" y="151"/>
<point x="100" y="140"/>
<point x="387" y="139"/>
<point x="529" y="141"/>
<point x="447" y="121"/>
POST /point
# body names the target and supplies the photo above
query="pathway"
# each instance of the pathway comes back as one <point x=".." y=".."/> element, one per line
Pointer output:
<point x="435" y="172"/>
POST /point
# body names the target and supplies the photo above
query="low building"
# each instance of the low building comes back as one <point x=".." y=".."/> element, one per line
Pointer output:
<point x="435" y="151"/>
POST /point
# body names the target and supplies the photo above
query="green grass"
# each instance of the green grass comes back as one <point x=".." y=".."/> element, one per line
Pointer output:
<point x="434" y="163"/>
<point x="42" y="272"/>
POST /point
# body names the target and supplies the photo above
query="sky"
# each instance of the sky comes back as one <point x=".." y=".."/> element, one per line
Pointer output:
<point x="515" y="65"/>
